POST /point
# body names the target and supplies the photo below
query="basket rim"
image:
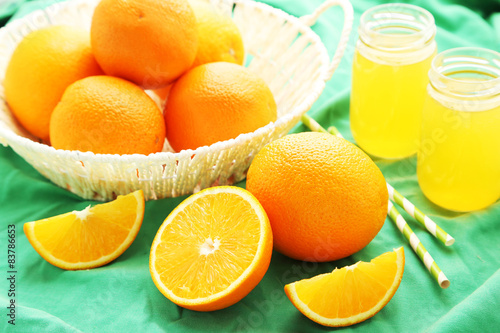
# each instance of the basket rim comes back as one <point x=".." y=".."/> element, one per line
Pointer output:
<point x="9" y="137"/>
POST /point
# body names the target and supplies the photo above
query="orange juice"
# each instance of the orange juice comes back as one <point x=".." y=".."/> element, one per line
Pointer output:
<point x="459" y="157"/>
<point x="393" y="55"/>
<point x="386" y="105"/>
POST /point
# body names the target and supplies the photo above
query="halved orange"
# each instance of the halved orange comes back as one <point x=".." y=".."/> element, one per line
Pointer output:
<point x="212" y="249"/>
<point x="91" y="237"/>
<point x="351" y="294"/>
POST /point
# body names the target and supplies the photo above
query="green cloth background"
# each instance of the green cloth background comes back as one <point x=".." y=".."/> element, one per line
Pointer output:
<point x="121" y="297"/>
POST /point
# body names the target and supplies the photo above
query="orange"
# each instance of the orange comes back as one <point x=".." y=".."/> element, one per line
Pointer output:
<point x="219" y="38"/>
<point x="41" y="67"/>
<point x="216" y="102"/>
<point x="148" y="42"/>
<point x="325" y="198"/>
<point x="89" y="238"/>
<point x="107" y="115"/>
<point x="351" y="294"/>
<point x="212" y="250"/>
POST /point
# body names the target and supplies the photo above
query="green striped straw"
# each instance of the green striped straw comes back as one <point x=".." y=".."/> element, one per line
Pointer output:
<point x="417" y="214"/>
<point x="333" y="130"/>
<point x="417" y="246"/>
<point x="394" y="195"/>
<point x="312" y="124"/>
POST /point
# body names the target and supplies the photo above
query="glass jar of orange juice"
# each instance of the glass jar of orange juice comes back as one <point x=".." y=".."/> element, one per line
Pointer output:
<point x="392" y="57"/>
<point x="459" y="157"/>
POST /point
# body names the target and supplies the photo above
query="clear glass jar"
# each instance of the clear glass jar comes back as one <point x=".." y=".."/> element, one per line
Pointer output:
<point x="392" y="57"/>
<point x="459" y="156"/>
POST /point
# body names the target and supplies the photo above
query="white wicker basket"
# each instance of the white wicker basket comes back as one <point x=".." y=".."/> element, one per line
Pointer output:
<point x="285" y="52"/>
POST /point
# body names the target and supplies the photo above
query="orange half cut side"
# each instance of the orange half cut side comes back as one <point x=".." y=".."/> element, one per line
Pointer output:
<point x="212" y="250"/>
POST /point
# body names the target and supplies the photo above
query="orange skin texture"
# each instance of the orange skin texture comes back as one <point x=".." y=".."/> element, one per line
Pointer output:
<point x="216" y="102"/>
<point x="107" y="115"/>
<point x="325" y="198"/>
<point x="148" y="42"/>
<point x="43" y="65"/>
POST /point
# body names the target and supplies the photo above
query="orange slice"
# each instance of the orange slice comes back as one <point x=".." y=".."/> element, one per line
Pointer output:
<point x="212" y="249"/>
<point x="89" y="238"/>
<point x="351" y="294"/>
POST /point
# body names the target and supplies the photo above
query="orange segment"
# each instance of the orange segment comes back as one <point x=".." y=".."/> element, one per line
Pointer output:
<point x="91" y="237"/>
<point x="212" y="250"/>
<point x="351" y="294"/>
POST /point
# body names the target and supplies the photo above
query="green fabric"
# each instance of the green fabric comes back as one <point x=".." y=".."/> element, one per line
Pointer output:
<point x="121" y="297"/>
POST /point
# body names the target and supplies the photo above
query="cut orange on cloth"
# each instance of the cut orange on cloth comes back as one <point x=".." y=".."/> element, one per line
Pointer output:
<point x="212" y="249"/>
<point x="89" y="238"/>
<point x="351" y="294"/>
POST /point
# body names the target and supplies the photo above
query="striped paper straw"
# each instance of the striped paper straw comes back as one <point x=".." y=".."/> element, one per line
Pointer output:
<point x="417" y="214"/>
<point x="417" y="246"/>
<point x="394" y="195"/>
<point x="333" y="130"/>
<point x="312" y="124"/>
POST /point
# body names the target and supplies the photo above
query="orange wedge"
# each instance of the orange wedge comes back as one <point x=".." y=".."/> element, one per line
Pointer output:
<point x="89" y="238"/>
<point x="351" y="294"/>
<point x="212" y="249"/>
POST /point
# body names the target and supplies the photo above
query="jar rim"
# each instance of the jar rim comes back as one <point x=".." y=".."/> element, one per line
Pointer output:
<point x="447" y="54"/>
<point x="422" y="34"/>
<point x="466" y="74"/>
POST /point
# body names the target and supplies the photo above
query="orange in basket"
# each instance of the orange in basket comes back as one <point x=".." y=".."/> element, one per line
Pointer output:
<point x="42" y="66"/>
<point x="107" y="115"/>
<point x="218" y="36"/>
<point x="149" y="42"/>
<point x="219" y="39"/>
<point x="216" y="102"/>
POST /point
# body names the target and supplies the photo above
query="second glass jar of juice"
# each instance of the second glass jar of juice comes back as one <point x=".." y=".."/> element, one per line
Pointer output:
<point x="459" y="156"/>
<point x="393" y="55"/>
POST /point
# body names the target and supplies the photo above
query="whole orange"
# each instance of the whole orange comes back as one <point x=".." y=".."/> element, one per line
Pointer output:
<point x="148" y="42"/>
<point x="325" y="198"/>
<point x="219" y="38"/>
<point x="107" y="115"/>
<point x="42" y="66"/>
<point x="216" y="102"/>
